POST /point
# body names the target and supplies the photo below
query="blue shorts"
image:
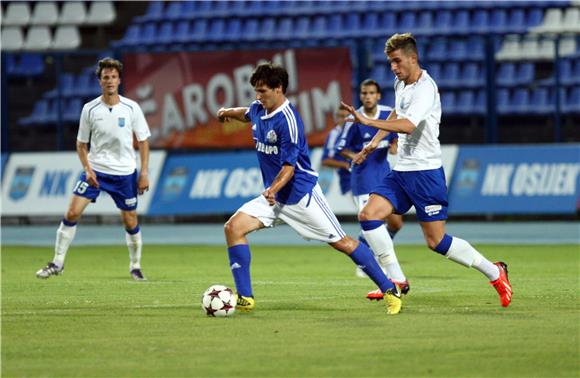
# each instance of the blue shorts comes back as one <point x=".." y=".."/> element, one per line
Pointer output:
<point x="123" y="189"/>
<point x="426" y="190"/>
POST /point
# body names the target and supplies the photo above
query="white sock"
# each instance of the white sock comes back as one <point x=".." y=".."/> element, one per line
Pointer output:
<point x="64" y="237"/>
<point x="134" y="244"/>
<point x="463" y="253"/>
<point x="383" y="248"/>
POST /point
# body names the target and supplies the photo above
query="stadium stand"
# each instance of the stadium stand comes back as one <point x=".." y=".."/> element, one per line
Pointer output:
<point x="453" y="39"/>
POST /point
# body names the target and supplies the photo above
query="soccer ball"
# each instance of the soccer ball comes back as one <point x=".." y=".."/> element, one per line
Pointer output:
<point x="219" y="300"/>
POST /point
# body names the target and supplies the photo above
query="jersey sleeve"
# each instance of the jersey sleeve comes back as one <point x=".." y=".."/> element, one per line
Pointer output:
<point x="84" y="133"/>
<point x="140" y="127"/>
<point x="346" y="138"/>
<point x="252" y="111"/>
<point x="421" y="103"/>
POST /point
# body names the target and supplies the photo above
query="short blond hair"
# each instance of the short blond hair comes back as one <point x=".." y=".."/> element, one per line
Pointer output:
<point x="405" y="42"/>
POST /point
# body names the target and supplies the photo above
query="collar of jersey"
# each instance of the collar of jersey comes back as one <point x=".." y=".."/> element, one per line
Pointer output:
<point x="280" y="108"/>
<point x="361" y="110"/>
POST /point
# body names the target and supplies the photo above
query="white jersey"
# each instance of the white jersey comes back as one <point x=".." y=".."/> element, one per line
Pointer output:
<point x="110" y="131"/>
<point x="419" y="103"/>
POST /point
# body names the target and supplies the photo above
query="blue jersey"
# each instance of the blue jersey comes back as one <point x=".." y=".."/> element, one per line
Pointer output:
<point x="365" y="176"/>
<point x="329" y="152"/>
<point x="280" y="141"/>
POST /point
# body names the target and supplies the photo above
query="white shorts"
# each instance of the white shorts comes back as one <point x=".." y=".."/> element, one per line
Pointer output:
<point x="311" y="217"/>
<point x="361" y="201"/>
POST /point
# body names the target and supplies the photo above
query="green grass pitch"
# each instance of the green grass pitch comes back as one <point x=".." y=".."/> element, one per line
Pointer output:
<point x="311" y="318"/>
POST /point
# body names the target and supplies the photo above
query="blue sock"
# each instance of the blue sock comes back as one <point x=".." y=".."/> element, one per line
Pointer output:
<point x="240" y="258"/>
<point x="363" y="257"/>
<point x="362" y="239"/>
<point x="392" y="232"/>
<point x="444" y="244"/>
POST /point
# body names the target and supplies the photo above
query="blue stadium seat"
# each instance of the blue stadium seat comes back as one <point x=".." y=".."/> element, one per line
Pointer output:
<point x="285" y="29"/>
<point x="520" y="102"/>
<point x="480" y="21"/>
<point x="370" y="24"/>
<point x="318" y="27"/>
<point x="506" y="75"/>
<point x="458" y="50"/>
<point x="199" y="30"/>
<point x="302" y="29"/>
<point x="381" y="74"/>
<point x="450" y="76"/>
<point x="448" y="102"/>
<point x="443" y="21"/>
<point x="424" y="23"/>
<point x="540" y="102"/>
<point x="352" y="26"/>
<point x="480" y="105"/>
<point x="408" y="21"/>
<point x="575" y="77"/>
<point x="65" y="84"/>
<point x="267" y="29"/>
<point x="182" y="32"/>
<point x="233" y="29"/>
<point x="387" y="23"/>
<point x="174" y="10"/>
<point x="154" y="12"/>
<point x="434" y="70"/>
<point x="571" y="103"/>
<point x="165" y="36"/>
<point x="535" y="17"/>
<point x="39" y="112"/>
<point x="250" y="30"/>
<point x="498" y="20"/>
<point x="460" y="22"/>
<point x="216" y="31"/>
<point x="472" y="75"/>
<point x="465" y="102"/>
<point x="503" y="101"/>
<point x="476" y="47"/>
<point x="148" y="35"/>
<point x="72" y="111"/>
<point x="131" y="37"/>
<point x="526" y="73"/>
<point x="517" y="21"/>
<point x="437" y="49"/>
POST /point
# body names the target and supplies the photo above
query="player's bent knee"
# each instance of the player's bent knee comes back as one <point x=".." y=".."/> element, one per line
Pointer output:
<point x="345" y="245"/>
<point x="72" y="215"/>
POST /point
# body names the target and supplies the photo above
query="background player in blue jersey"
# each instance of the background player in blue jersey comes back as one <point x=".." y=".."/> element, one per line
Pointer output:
<point x="109" y="123"/>
<point x="292" y="194"/>
<point x="332" y="159"/>
<point x="371" y="172"/>
<point x="418" y="178"/>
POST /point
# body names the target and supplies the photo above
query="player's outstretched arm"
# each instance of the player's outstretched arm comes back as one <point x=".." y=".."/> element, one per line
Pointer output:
<point x="402" y="125"/>
<point x="227" y="114"/>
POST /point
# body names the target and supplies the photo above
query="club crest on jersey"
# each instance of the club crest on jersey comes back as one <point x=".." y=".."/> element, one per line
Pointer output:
<point x="271" y="137"/>
<point x="121" y="121"/>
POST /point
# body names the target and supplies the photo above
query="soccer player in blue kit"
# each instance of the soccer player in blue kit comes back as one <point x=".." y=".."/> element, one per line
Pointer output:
<point x="109" y="123"/>
<point x="292" y="194"/>
<point x="371" y="172"/>
<point x="418" y="178"/>
<point x="330" y="157"/>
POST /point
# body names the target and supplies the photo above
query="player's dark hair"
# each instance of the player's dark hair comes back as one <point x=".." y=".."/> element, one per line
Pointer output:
<point x="405" y="42"/>
<point x="270" y="75"/>
<point x="371" y="82"/>
<point x="109" y="63"/>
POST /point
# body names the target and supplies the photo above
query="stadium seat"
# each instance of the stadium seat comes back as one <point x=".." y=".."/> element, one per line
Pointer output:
<point x="216" y="30"/>
<point x="544" y="49"/>
<point x="516" y="21"/>
<point x="526" y="73"/>
<point x="370" y="24"/>
<point x="387" y="23"/>
<point x="17" y="14"/>
<point x="12" y="38"/>
<point x="424" y="23"/>
<point x="66" y="37"/>
<point x="285" y="29"/>
<point x="498" y="21"/>
<point x="319" y="27"/>
<point x="520" y="101"/>
<point x="534" y="18"/>
<point x="154" y="12"/>
<point x="380" y="73"/>
<point x="443" y="21"/>
<point x="502" y="101"/>
<point x="476" y="48"/>
<point x="539" y="102"/>
<point x="511" y="48"/>
<point x="87" y="84"/>
<point x="131" y="37"/>
<point x="434" y="70"/>
<point x="571" y="104"/>
<point x="44" y="13"/>
<point x="437" y="49"/>
<point x="575" y="77"/>
<point x="506" y="75"/>
<point x="302" y="30"/>
<point x="101" y="13"/>
<point x="165" y="35"/>
<point x="352" y="26"/>
<point x="39" y="113"/>
<point x="199" y="30"/>
<point x="148" y="35"/>
<point x="465" y="102"/>
<point x="448" y="102"/>
<point x="72" y="110"/>
<point x="472" y="75"/>
<point x="174" y="10"/>
<point x="267" y="29"/>
<point x="66" y="86"/>
<point x="458" y="50"/>
<point x="408" y="21"/>
<point x="480" y="105"/>
<point x="480" y="22"/>
<point x="72" y="13"/>
<point x="460" y="21"/>
<point x="552" y="22"/>
<point x="568" y="46"/>
<point x="571" y="20"/>
<point x="182" y="32"/>
<point x="450" y="75"/>
<point x="38" y="38"/>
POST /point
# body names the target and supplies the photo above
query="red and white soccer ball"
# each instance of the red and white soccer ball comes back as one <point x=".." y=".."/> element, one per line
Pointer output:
<point x="219" y="300"/>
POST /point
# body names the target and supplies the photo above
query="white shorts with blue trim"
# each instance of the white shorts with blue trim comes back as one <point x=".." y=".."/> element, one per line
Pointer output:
<point x="311" y="217"/>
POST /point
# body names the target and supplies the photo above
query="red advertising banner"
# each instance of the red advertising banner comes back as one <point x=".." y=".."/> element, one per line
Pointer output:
<point x="181" y="92"/>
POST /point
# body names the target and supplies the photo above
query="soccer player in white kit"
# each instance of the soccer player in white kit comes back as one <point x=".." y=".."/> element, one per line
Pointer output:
<point x="109" y="123"/>
<point x="292" y="194"/>
<point x="418" y="178"/>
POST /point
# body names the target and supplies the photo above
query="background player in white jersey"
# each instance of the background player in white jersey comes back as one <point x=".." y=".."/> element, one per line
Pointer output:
<point x="371" y="172"/>
<point x="292" y="194"/>
<point x="418" y="178"/>
<point x="330" y="157"/>
<point x="109" y="123"/>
